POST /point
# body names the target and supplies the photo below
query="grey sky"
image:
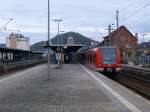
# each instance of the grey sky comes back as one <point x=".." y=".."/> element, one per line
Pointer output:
<point x="89" y="17"/>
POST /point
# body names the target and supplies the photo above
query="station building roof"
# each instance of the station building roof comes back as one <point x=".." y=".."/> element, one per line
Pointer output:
<point x="67" y="48"/>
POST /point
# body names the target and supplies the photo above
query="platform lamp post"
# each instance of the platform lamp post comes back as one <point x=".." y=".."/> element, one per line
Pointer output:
<point x="58" y="41"/>
<point x="3" y="27"/>
<point x="61" y="32"/>
<point x="48" y="42"/>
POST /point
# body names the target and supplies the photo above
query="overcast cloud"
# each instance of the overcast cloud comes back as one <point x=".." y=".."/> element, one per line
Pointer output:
<point x="89" y="17"/>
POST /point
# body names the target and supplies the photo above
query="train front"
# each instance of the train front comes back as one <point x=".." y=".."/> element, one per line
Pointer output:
<point x="110" y="59"/>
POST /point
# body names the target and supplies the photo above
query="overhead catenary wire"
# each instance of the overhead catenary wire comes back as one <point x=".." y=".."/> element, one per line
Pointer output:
<point x="138" y="10"/>
<point x="140" y="17"/>
<point x="127" y="6"/>
<point x="138" y="21"/>
<point x="128" y="20"/>
<point x="124" y="10"/>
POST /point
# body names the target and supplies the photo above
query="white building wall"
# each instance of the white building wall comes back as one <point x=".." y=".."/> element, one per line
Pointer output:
<point x="8" y="42"/>
<point x="23" y="43"/>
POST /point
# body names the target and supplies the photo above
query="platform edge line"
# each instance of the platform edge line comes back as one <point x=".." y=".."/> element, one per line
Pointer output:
<point x="123" y="100"/>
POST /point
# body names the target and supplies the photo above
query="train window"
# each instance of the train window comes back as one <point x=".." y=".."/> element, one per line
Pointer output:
<point x="86" y="57"/>
<point x="109" y="55"/>
<point x="93" y="57"/>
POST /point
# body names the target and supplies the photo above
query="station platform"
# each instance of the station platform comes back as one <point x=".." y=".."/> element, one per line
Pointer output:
<point x="73" y="88"/>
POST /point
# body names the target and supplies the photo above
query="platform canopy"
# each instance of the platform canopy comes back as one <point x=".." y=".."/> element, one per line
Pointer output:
<point x="66" y="48"/>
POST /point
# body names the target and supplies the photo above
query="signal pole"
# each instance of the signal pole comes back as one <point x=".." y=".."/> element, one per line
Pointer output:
<point x="143" y="35"/>
<point x="117" y="18"/>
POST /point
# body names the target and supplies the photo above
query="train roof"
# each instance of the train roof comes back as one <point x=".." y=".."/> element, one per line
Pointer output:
<point x="94" y="48"/>
<point x="108" y="47"/>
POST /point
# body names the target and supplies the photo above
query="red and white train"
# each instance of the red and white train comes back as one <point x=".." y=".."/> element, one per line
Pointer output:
<point x="103" y="59"/>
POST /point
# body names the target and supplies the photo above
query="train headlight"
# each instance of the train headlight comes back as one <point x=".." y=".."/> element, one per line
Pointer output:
<point x="99" y="65"/>
<point x="109" y="65"/>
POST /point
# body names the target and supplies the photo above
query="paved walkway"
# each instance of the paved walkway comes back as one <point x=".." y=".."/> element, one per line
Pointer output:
<point x="70" y="90"/>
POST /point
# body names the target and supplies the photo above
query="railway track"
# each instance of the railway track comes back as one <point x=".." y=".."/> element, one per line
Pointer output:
<point x="15" y="66"/>
<point x="138" y="72"/>
<point x="136" y="80"/>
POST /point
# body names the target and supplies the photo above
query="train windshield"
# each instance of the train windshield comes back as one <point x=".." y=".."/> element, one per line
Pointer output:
<point x="109" y="55"/>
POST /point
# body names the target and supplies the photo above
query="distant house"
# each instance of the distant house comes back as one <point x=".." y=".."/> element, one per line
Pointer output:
<point x="125" y="40"/>
<point x="144" y="52"/>
<point x="144" y="48"/>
